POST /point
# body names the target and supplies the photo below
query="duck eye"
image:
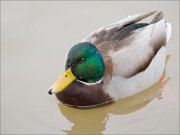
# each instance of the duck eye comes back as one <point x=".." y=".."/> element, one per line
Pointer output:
<point x="82" y="59"/>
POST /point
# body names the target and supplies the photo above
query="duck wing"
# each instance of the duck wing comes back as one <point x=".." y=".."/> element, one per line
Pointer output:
<point x="134" y="52"/>
<point x="129" y="45"/>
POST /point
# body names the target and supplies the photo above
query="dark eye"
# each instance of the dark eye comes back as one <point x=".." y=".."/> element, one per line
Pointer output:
<point x="82" y="59"/>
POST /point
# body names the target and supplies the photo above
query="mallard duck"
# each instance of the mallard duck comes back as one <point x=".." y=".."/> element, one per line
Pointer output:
<point x="115" y="61"/>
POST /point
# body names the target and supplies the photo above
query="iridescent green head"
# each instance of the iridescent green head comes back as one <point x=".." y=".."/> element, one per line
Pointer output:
<point x="86" y="62"/>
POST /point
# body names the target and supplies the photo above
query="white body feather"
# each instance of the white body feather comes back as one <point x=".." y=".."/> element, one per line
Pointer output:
<point x="120" y="87"/>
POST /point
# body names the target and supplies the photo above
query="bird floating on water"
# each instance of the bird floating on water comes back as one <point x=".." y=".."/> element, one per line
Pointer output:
<point x="115" y="61"/>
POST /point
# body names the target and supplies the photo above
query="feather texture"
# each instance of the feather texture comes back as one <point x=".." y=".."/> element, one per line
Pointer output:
<point x="134" y="53"/>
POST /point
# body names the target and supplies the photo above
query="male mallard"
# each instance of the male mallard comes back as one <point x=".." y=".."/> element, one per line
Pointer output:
<point x="115" y="61"/>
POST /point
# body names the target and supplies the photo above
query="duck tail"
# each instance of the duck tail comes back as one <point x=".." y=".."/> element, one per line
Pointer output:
<point x="158" y="17"/>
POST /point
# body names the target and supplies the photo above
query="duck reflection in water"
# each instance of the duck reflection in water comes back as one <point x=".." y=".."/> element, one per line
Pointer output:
<point x="93" y="121"/>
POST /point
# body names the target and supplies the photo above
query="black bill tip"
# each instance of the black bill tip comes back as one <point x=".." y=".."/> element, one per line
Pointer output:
<point x="50" y="92"/>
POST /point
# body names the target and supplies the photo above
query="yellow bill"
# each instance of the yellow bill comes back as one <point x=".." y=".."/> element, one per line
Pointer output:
<point x="62" y="83"/>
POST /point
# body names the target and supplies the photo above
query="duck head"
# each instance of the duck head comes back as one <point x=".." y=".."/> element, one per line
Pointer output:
<point x="84" y="64"/>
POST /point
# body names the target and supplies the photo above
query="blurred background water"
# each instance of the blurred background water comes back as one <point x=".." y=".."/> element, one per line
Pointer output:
<point x="35" y="39"/>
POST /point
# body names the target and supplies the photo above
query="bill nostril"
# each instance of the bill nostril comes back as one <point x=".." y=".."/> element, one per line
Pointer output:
<point x="50" y="92"/>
